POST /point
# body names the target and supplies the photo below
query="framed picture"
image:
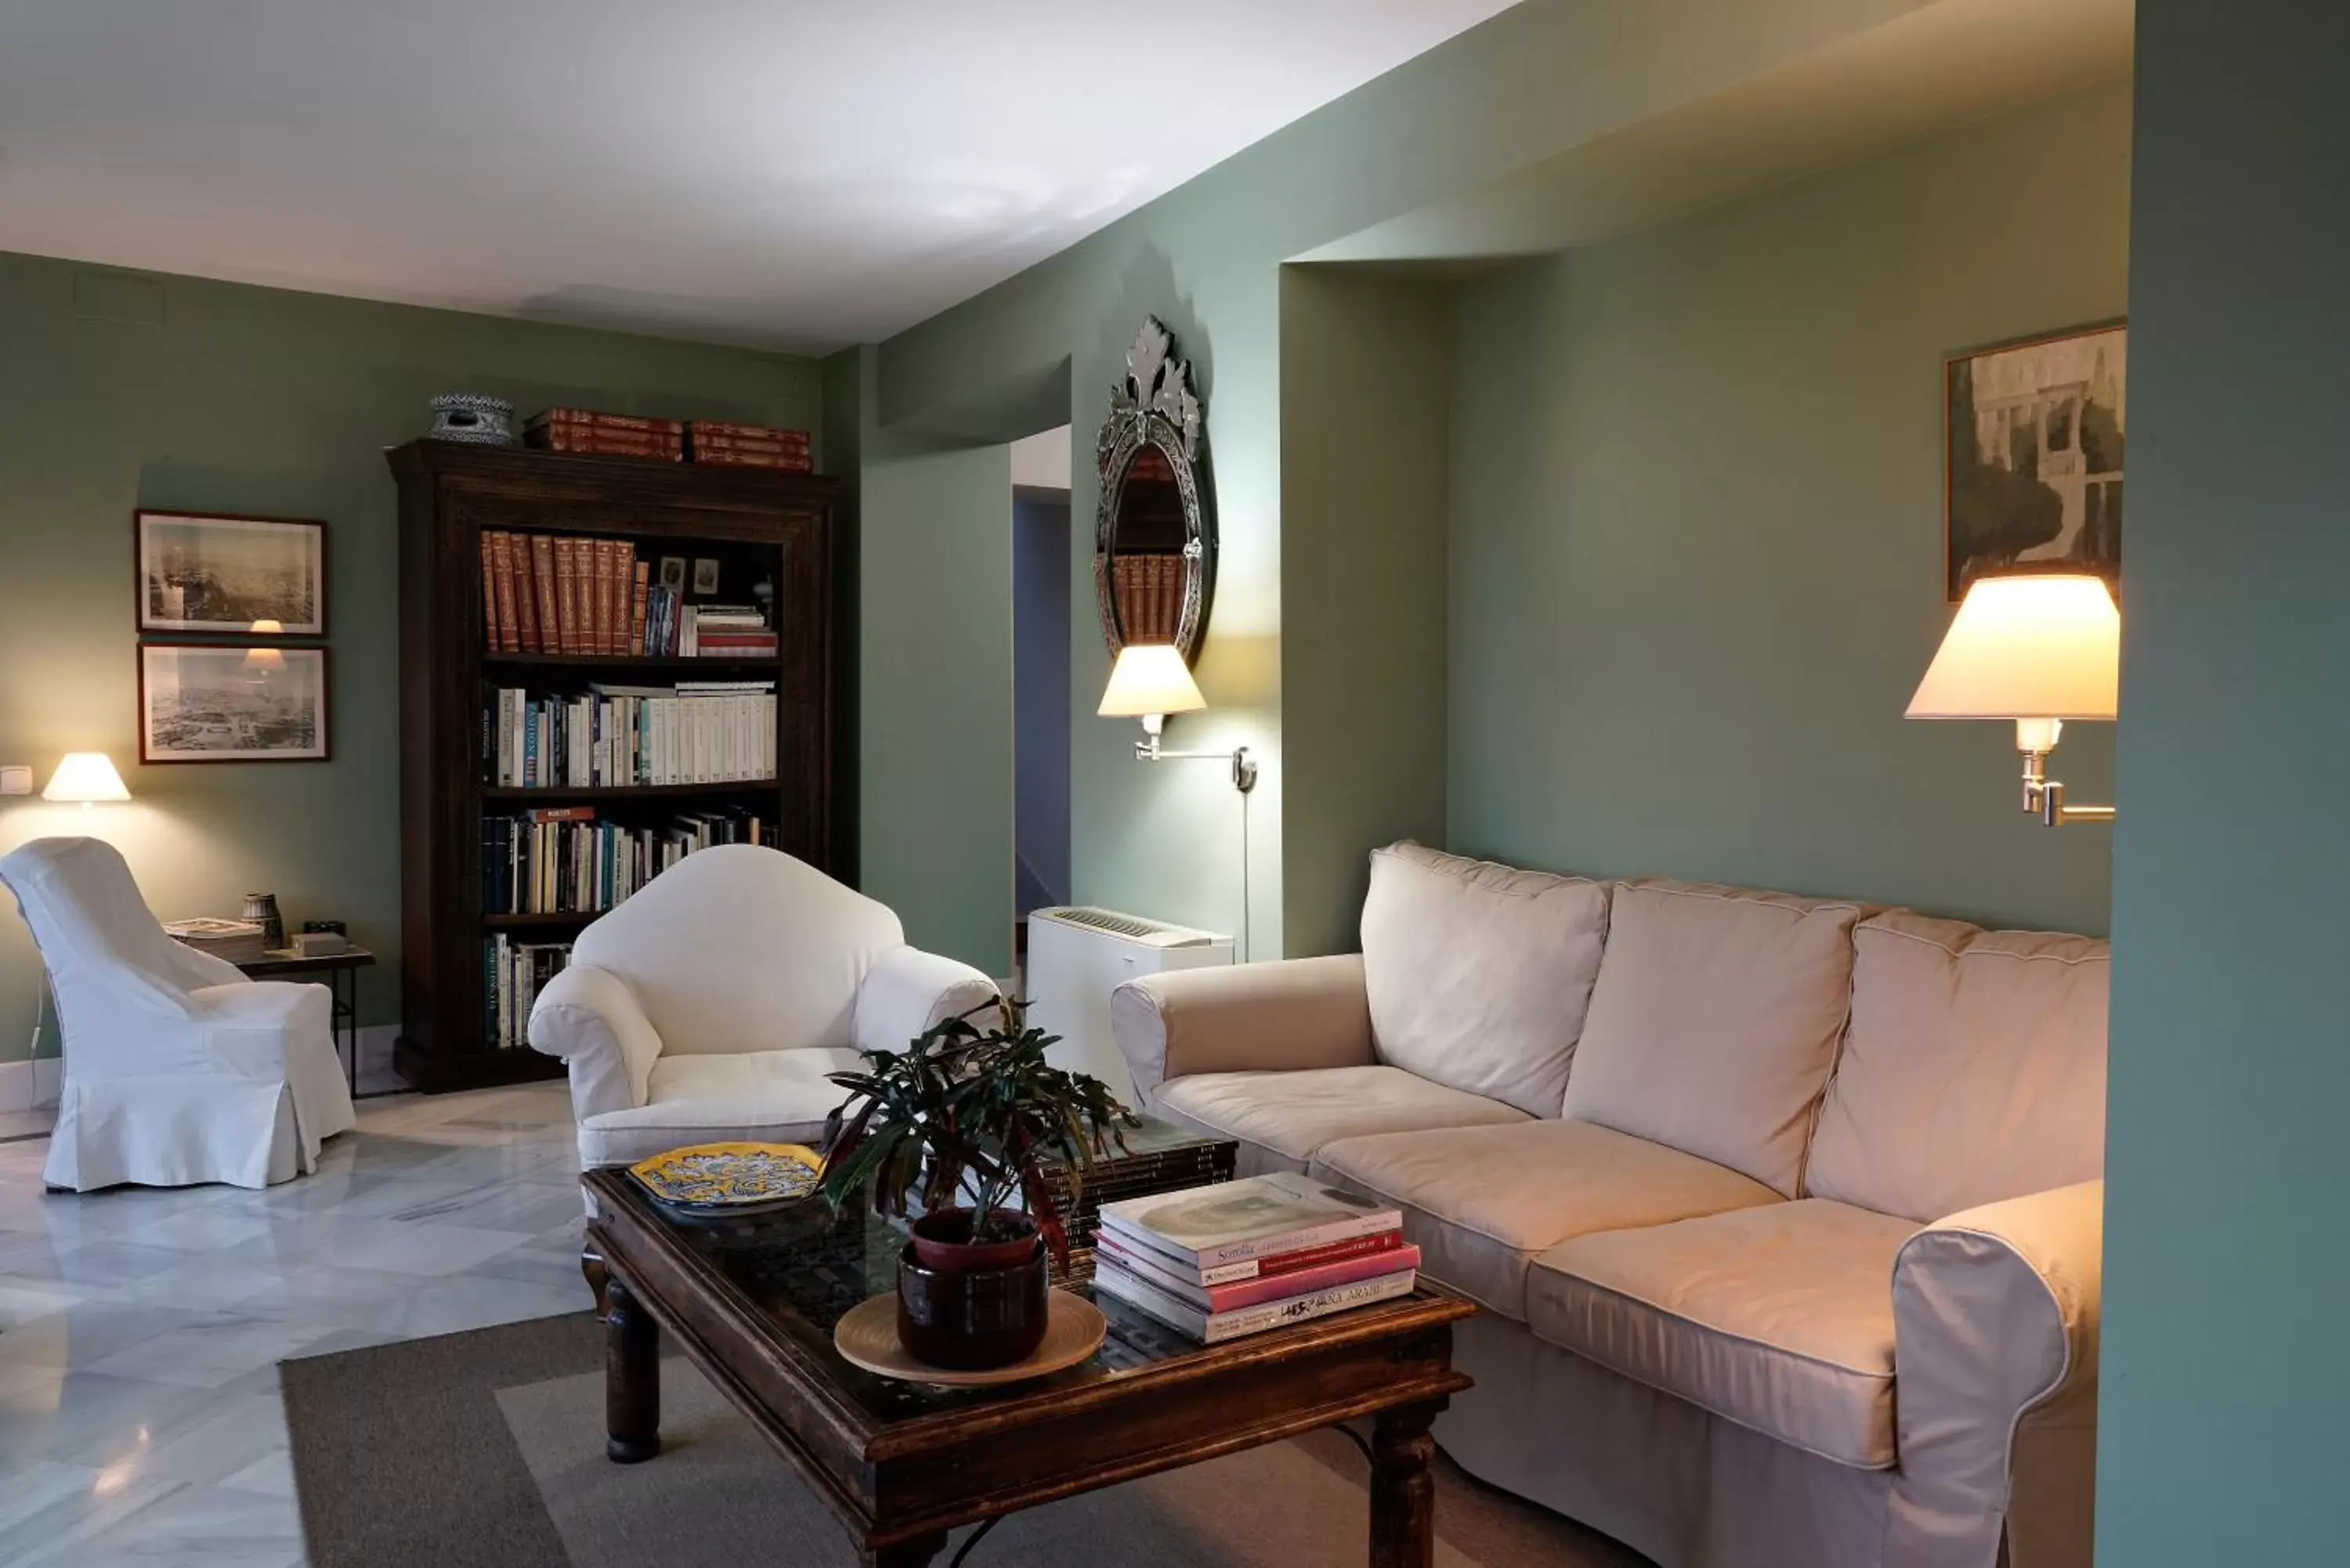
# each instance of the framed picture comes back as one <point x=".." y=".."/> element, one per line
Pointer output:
<point x="705" y="576"/>
<point x="672" y="573"/>
<point x="208" y="702"/>
<point x="2032" y="442"/>
<point x="203" y="572"/>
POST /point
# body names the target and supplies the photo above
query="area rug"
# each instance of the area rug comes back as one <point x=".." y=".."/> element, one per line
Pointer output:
<point x="486" y="1450"/>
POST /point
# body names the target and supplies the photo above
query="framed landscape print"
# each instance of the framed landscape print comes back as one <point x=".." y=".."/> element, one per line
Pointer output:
<point x="2033" y="455"/>
<point x="208" y="702"/>
<point x="199" y="572"/>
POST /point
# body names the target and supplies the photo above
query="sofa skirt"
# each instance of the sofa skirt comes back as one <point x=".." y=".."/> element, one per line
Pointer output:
<point x="1676" y="1482"/>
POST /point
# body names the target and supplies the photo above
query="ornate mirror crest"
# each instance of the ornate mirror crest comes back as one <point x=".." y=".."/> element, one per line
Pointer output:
<point x="1154" y="537"/>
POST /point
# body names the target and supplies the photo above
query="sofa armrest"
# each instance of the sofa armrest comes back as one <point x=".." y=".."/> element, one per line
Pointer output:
<point x="908" y="992"/>
<point x="1287" y="1014"/>
<point x="591" y="1018"/>
<point x="1995" y="1312"/>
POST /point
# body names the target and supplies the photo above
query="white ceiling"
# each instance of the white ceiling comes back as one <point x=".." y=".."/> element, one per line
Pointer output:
<point x="786" y="173"/>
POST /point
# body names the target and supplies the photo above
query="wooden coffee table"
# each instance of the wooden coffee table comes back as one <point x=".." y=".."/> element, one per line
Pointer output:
<point x="903" y="1464"/>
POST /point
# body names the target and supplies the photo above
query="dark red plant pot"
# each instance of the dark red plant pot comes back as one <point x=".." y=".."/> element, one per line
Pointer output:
<point x="942" y="1241"/>
<point x="974" y="1319"/>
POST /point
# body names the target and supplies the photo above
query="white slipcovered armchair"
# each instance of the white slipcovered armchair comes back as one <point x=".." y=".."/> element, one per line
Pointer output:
<point x="710" y="1006"/>
<point x="178" y="1069"/>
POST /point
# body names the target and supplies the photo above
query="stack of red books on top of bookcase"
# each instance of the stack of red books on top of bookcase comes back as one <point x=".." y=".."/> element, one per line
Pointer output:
<point x="1241" y="1257"/>
<point x="607" y="435"/>
<point x="724" y="442"/>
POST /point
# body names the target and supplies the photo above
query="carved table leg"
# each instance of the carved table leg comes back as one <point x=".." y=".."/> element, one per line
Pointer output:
<point x="591" y="1268"/>
<point x="631" y="1378"/>
<point x="912" y="1553"/>
<point x="1403" y="1494"/>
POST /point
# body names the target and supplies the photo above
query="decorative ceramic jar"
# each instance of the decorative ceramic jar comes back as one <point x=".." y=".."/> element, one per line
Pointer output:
<point x="472" y="417"/>
<point x="262" y="909"/>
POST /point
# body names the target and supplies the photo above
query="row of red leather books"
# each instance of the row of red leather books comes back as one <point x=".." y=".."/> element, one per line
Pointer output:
<point x="545" y="593"/>
<point x="719" y="441"/>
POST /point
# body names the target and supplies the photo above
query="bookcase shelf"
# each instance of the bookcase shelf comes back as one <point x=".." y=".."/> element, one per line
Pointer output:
<point x="551" y="793"/>
<point x="621" y="662"/>
<point x="778" y="524"/>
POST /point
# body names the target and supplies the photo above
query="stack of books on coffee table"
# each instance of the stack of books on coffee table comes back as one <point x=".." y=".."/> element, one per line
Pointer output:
<point x="1241" y="1257"/>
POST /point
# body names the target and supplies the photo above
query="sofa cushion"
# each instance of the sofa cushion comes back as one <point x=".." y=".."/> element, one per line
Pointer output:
<point x="1974" y="1069"/>
<point x="1481" y="1202"/>
<point x="776" y="1096"/>
<point x="1479" y="975"/>
<point x="1281" y="1119"/>
<point x="1714" y="1023"/>
<point x="1779" y="1318"/>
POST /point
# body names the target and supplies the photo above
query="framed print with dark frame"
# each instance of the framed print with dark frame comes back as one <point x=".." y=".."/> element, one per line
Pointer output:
<point x="217" y="702"/>
<point x="2032" y="455"/>
<point x="205" y="572"/>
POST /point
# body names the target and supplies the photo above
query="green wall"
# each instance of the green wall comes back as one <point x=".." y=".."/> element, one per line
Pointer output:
<point x="119" y="391"/>
<point x="1696" y="555"/>
<point x="933" y="694"/>
<point x="1540" y="79"/>
<point x="1366" y="396"/>
<point x="2228" y="1229"/>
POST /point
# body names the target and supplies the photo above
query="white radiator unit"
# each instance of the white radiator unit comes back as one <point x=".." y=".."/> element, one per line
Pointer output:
<point x="1077" y="957"/>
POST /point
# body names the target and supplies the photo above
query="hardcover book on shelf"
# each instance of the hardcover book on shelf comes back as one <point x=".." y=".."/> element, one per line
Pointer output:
<point x="1233" y="1222"/>
<point x="542" y="579"/>
<point x="598" y="419"/>
<point x="1211" y="1327"/>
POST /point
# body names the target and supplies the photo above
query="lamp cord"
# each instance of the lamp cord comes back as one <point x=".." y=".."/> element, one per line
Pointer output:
<point x="1247" y="946"/>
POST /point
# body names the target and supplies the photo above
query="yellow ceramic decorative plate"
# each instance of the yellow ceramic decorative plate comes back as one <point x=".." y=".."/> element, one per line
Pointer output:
<point x="719" y="1177"/>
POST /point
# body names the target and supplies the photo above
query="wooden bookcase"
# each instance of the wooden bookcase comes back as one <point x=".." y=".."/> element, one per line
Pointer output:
<point x="755" y="521"/>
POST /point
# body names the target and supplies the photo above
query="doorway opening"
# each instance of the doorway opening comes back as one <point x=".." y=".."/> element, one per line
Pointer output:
<point x="1041" y="598"/>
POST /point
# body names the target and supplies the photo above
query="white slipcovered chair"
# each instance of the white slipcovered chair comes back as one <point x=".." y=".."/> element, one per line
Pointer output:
<point x="178" y="1069"/>
<point x="710" y="1006"/>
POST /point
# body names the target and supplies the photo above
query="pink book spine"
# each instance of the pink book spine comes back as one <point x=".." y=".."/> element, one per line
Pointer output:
<point x="1241" y="1294"/>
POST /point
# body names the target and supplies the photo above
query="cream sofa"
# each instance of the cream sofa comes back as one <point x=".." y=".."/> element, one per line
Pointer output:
<point x="710" y="1005"/>
<point x="1784" y="1213"/>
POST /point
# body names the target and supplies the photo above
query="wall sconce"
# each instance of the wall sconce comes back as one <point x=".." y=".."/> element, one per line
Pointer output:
<point x="87" y="777"/>
<point x="1149" y="681"/>
<point x="2038" y="649"/>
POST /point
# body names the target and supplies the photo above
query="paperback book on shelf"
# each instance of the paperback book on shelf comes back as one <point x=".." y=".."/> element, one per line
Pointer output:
<point x="556" y="860"/>
<point x="692" y="732"/>
<point x="1240" y="1222"/>
<point x="513" y="974"/>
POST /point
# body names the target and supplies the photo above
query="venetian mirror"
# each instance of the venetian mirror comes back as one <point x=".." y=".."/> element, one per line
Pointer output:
<point x="1154" y="537"/>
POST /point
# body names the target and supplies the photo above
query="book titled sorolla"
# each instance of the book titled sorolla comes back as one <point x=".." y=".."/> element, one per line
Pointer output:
<point x="1209" y="1327"/>
<point x="1260" y="1217"/>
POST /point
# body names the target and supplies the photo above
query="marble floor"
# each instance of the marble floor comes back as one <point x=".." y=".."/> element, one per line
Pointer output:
<point x="140" y="1330"/>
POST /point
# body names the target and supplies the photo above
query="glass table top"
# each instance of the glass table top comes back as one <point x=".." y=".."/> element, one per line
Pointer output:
<point x="806" y="1279"/>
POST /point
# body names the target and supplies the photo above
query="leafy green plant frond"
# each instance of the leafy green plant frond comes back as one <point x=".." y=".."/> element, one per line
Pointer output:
<point x="969" y="1110"/>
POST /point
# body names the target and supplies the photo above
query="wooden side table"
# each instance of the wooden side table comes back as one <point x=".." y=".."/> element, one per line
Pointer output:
<point x="339" y="972"/>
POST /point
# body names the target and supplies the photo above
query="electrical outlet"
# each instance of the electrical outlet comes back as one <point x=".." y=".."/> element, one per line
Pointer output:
<point x="15" y="780"/>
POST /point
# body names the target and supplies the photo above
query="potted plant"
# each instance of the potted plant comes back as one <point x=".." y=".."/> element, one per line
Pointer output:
<point x="961" y="1124"/>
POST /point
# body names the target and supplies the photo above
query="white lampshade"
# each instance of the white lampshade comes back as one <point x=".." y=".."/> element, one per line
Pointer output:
<point x="1149" y="677"/>
<point x="85" y="776"/>
<point x="2043" y="647"/>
